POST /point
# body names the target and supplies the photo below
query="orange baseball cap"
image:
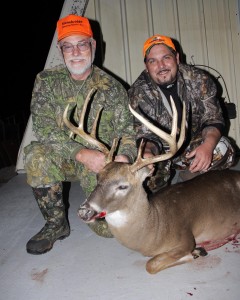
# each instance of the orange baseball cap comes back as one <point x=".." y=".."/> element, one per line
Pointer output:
<point x="157" y="39"/>
<point x="73" y="24"/>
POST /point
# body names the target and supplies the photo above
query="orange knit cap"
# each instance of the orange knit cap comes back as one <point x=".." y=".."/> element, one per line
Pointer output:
<point x="73" y="24"/>
<point x="157" y="39"/>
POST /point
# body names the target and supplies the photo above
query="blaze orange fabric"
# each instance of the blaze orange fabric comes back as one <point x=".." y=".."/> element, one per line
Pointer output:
<point x="157" y="39"/>
<point x="73" y="24"/>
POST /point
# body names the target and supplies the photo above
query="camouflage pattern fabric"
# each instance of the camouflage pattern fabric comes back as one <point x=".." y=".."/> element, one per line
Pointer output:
<point x="45" y="166"/>
<point x="198" y="90"/>
<point x="50" y="202"/>
<point x="223" y="157"/>
<point x="51" y="159"/>
<point x="51" y="205"/>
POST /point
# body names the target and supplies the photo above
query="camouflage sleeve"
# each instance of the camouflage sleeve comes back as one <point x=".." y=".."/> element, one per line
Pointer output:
<point x="47" y="120"/>
<point x="212" y="112"/>
<point x="202" y="96"/>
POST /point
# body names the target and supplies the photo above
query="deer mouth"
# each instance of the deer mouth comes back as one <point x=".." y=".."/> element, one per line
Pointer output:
<point x="89" y="215"/>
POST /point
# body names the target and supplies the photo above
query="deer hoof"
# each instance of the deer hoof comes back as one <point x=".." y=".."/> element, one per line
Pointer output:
<point x="199" y="252"/>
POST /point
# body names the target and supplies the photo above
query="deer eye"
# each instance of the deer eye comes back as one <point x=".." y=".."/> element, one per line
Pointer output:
<point x="122" y="187"/>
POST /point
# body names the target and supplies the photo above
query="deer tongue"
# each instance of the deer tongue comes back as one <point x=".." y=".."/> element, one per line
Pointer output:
<point x="101" y="215"/>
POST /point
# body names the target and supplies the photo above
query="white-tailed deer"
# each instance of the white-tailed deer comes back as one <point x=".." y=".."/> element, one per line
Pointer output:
<point x="174" y="225"/>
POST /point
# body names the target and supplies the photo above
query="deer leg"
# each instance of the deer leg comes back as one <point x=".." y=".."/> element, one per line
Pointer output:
<point x="173" y="258"/>
<point x="184" y="252"/>
<point x="166" y="260"/>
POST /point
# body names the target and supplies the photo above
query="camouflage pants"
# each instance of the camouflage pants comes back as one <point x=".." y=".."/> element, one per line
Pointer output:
<point x="223" y="158"/>
<point x="45" y="166"/>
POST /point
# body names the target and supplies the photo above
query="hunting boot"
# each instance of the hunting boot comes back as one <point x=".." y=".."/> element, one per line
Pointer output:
<point x="100" y="227"/>
<point x="50" y="202"/>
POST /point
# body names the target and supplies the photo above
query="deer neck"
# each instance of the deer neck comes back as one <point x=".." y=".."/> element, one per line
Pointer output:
<point x="138" y="207"/>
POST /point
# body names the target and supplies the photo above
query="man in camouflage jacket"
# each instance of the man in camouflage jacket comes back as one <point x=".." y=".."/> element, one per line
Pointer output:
<point x="205" y="147"/>
<point x="58" y="155"/>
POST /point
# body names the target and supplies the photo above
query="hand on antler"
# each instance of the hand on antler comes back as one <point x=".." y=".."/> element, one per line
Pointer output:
<point x="122" y="158"/>
<point x="95" y="160"/>
<point x="92" y="159"/>
<point x="150" y="150"/>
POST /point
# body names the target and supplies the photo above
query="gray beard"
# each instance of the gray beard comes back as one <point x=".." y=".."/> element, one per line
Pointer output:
<point x="79" y="71"/>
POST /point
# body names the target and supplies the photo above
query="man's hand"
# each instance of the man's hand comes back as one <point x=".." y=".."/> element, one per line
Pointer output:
<point x="94" y="160"/>
<point x="202" y="158"/>
<point x="122" y="158"/>
<point x="150" y="150"/>
<point x="202" y="155"/>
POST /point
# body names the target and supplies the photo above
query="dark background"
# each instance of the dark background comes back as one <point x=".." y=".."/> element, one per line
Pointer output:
<point x="27" y="32"/>
<point x="29" y="36"/>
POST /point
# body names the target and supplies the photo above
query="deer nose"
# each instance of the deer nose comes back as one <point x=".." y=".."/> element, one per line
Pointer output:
<point x="86" y="213"/>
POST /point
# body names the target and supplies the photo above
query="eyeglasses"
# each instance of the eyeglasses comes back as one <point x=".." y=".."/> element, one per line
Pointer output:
<point x="82" y="46"/>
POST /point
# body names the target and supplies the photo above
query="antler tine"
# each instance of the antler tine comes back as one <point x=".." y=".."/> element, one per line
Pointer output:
<point x="90" y="138"/>
<point x="183" y="127"/>
<point x="169" y="138"/>
<point x="109" y="157"/>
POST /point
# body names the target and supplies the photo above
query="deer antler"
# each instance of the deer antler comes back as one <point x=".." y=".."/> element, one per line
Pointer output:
<point x="169" y="138"/>
<point x="90" y="138"/>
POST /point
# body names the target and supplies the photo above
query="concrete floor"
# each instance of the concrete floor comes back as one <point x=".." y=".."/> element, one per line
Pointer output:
<point x="87" y="267"/>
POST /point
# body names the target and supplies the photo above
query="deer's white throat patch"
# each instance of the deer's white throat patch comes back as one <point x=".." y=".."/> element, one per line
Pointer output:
<point x="117" y="218"/>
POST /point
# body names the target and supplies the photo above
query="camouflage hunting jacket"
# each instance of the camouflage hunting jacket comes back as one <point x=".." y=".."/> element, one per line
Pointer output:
<point x="194" y="86"/>
<point x="54" y="89"/>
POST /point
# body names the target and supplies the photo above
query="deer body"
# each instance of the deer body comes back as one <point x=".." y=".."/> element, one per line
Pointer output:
<point x="171" y="224"/>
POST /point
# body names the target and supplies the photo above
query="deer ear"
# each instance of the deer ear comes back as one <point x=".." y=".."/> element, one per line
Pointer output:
<point x="151" y="170"/>
<point x="145" y="172"/>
